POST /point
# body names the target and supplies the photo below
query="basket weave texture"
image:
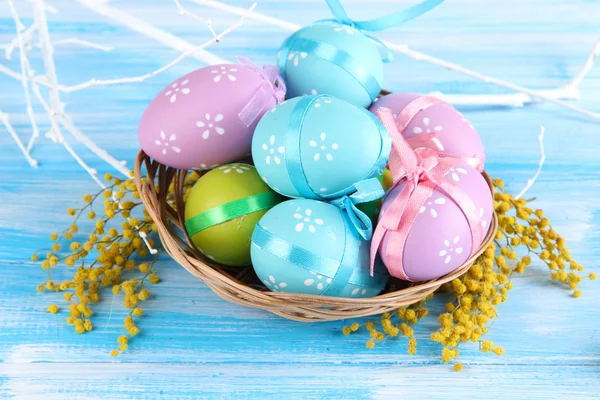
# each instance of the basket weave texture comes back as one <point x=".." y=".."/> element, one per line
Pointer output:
<point x="241" y="286"/>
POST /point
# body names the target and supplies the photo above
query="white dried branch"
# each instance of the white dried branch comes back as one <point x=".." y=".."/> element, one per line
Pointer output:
<point x="522" y="97"/>
<point x="25" y="73"/>
<point x="15" y="75"/>
<point x="148" y="30"/>
<point x="55" y="103"/>
<point x="207" y="22"/>
<point x="533" y="95"/>
<point x="576" y="81"/>
<point x="25" y="37"/>
<point x="57" y="113"/>
<point x="177" y="60"/>
<point x="84" y="43"/>
<point x="6" y="122"/>
<point x="532" y="180"/>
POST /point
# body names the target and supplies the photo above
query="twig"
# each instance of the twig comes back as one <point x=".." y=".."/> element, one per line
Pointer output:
<point x="531" y="181"/>
<point x="576" y="81"/>
<point x="533" y="94"/>
<point x="25" y="72"/>
<point x="6" y="122"/>
<point x="84" y="43"/>
<point x="181" y="57"/>
<point x="524" y="96"/>
<point x="148" y="30"/>
<point x="55" y="103"/>
<point x="15" y="75"/>
<point x="26" y="36"/>
<point x="207" y="22"/>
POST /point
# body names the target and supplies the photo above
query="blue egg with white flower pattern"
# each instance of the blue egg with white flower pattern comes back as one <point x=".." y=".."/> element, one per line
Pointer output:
<point x="318" y="147"/>
<point x="310" y="247"/>
<point x="331" y="58"/>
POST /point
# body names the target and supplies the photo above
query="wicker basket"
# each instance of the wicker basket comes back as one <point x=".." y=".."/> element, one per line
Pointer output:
<point x="241" y="285"/>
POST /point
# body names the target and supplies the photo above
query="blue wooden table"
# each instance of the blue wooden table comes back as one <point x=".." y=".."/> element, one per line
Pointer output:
<point x="194" y="344"/>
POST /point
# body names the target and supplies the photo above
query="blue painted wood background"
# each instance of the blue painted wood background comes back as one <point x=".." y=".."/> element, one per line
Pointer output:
<point x="195" y="345"/>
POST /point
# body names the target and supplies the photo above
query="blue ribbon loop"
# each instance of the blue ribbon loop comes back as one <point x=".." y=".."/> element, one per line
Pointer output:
<point x="367" y="190"/>
<point x="381" y="23"/>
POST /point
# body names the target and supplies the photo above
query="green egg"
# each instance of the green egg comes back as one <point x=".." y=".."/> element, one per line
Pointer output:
<point x="372" y="208"/>
<point x="222" y="209"/>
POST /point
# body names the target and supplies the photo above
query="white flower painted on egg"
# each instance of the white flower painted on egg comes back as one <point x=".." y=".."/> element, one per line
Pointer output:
<point x="177" y="88"/>
<point x="273" y="151"/>
<point x="296" y="56"/>
<point x="225" y="73"/>
<point x="432" y="205"/>
<point x="210" y="124"/>
<point x="451" y="248"/>
<point x="317" y="280"/>
<point x="356" y="291"/>
<point x="272" y="284"/>
<point x="426" y="128"/>
<point x="454" y="173"/>
<point x="239" y="168"/>
<point x="306" y="220"/>
<point x="322" y="148"/>
<point x="167" y="142"/>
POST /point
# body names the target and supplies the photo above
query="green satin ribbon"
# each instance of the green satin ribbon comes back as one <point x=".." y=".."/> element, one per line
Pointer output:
<point x="232" y="210"/>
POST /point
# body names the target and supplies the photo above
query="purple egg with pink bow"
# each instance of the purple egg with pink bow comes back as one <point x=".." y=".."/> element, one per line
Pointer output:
<point x="436" y="214"/>
<point x="207" y="117"/>
<point x="440" y="238"/>
<point x="436" y="124"/>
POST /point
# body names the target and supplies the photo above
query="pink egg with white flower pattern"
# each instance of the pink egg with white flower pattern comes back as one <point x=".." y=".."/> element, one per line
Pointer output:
<point x="195" y="122"/>
<point x="439" y="241"/>
<point x="456" y="134"/>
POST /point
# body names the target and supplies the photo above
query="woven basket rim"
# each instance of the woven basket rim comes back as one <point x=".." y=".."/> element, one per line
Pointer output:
<point x="300" y="307"/>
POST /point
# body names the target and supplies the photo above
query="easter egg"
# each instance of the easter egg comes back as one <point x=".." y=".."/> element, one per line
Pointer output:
<point x="222" y="209"/>
<point x="439" y="240"/>
<point x="307" y="246"/>
<point x="371" y="208"/>
<point x="204" y="118"/>
<point x="331" y="58"/>
<point x="455" y="133"/>
<point x="386" y="180"/>
<point x="318" y="147"/>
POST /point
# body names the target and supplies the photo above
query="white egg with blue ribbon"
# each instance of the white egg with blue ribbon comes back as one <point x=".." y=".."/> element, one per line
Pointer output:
<point x="322" y="248"/>
<point x="337" y="57"/>
<point x="318" y="147"/>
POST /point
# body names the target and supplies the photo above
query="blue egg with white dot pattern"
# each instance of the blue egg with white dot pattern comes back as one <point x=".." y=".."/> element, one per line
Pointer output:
<point x="331" y="58"/>
<point x="318" y="147"/>
<point x="307" y="246"/>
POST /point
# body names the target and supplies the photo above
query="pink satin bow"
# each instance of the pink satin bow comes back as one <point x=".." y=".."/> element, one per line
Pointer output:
<point x="431" y="140"/>
<point x="273" y="86"/>
<point x="421" y="170"/>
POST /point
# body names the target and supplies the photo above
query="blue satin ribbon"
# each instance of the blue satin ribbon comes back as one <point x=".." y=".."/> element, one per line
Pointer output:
<point x="381" y="23"/>
<point x="292" y="253"/>
<point x="293" y="158"/>
<point x="342" y="59"/>
<point x="367" y="190"/>
<point x="350" y="258"/>
<point x="343" y="272"/>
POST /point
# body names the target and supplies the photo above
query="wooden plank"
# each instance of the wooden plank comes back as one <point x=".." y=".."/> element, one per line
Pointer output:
<point x="193" y="344"/>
